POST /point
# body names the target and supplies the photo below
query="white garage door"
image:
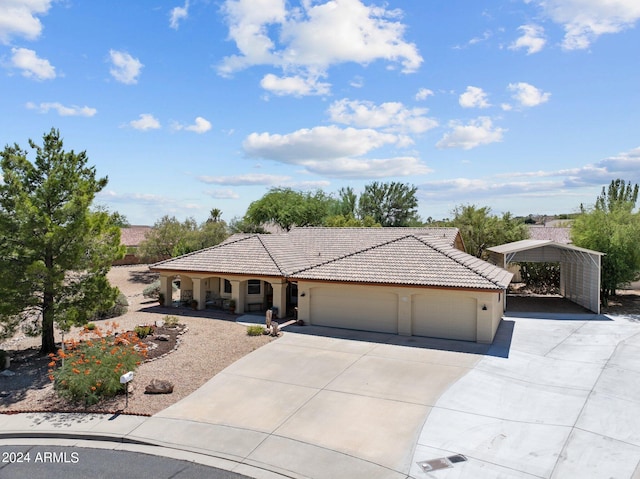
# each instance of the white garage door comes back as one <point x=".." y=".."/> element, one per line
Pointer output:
<point x="354" y="307"/>
<point x="444" y="315"/>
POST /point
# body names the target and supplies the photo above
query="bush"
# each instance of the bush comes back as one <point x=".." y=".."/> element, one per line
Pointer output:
<point x="143" y="331"/>
<point x="255" y="330"/>
<point x="90" y="370"/>
<point x="171" y="321"/>
<point x="541" y="278"/>
<point x="119" y="308"/>
<point x="91" y="326"/>
<point x="153" y="290"/>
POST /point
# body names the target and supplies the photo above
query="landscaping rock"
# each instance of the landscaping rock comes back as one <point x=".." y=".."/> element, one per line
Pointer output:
<point x="159" y="386"/>
<point x="163" y="337"/>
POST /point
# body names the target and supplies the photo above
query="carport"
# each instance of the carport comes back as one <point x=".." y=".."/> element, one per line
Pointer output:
<point x="579" y="267"/>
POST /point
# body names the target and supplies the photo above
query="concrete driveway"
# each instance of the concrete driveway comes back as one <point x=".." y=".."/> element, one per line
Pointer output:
<point x="549" y="399"/>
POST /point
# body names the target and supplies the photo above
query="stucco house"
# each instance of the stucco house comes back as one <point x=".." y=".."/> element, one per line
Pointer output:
<point x="407" y="281"/>
<point x="131" y="237"/>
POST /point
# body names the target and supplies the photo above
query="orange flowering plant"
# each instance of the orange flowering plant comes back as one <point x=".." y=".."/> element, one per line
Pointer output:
<point x="90" y="369"/>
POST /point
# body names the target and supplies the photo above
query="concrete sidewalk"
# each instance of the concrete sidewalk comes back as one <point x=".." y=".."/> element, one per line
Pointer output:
<point x="549" y="399"/>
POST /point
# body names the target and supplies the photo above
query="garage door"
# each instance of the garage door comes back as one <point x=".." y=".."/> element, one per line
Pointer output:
<point x="368" y="309"/>
<point x="444" y="315"/>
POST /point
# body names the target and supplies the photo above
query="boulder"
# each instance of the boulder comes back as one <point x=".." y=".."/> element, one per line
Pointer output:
<point x="159" y="386"/>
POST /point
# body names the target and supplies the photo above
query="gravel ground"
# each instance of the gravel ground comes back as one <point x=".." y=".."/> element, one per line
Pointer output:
<point x="212" y="342"/>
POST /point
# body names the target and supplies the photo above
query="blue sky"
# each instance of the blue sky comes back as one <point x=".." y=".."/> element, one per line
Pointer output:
<point x="527" y="106"/>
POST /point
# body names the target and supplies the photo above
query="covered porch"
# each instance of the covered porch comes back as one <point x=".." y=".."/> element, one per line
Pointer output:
<point x="236" y="293"/>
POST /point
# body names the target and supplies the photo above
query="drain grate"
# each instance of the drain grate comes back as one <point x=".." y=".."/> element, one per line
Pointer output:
<point x="441" y="462"/>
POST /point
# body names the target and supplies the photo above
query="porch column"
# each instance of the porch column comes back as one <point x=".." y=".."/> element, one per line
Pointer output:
<point x="280" y="298"/>
<point x="238" y="292"/>
<point x="199" y="293"/>
<point x="166" y="288"/>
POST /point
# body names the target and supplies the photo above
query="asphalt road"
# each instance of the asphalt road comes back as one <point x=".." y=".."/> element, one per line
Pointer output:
<point x="53" y="462"/>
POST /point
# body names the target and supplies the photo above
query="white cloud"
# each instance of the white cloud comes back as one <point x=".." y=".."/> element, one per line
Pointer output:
<point x="146" y="122"/>
<point x="138" y="198"/>
<point x="31" y="65"/>
<point x="200" y="125"/>
<point x="62" y="110"/>
<point x="294" y="85"/>
<point x="532" y="39"/>
<point x="585" y="20"/>
<point x="224" y="194"/>
<point x="178" y="14"/>
<point x="357" y="82"/>
<point x="247" y="179"/>
<point x="624" y="165"/>
<point x="390" y="116"/>
<point x="313" y="37"/>
<point x="552" y="189"/>
<point x="474" y="97"/>
<point x="459" y="189"/>
<point x="19" y="18"/>
<point x="332" y="151"/>
<point x="478" y="132"/>
<point x="486" y="35"/>
<point x="424" y="93"/>
<point x="125" y="69"/>
<point x="319" y="143"/>
<point x="528" y="95"/>
<point x="357" y="168"/>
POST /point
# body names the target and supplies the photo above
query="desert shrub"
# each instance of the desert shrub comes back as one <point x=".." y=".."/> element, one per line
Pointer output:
<point x="91" y="326"/>
<point x="89" y="370"/>
<point x="153" y="290"/>
<point x="255" y="330"/>
<point x="171" y="321"/>
<point x="119" y="308"/>
<point x="142" y="331"/>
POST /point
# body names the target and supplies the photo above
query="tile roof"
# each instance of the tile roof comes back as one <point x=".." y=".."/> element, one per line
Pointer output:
<point x="553" y="233"/>
<point x="134" y="235"/>
<point x="410" y="260"/>
<point x="407" y="256"/>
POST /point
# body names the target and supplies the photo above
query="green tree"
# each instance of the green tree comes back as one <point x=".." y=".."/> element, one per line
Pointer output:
<point x="55" y="249"/>
<point x="164" y="237"/>
<point x="170" y="237"/>
<point x="287" y="208"/>
<point x="481" y="230"/>
<point x="347" y="203"/>
<point x="612" y="227"/>
<point x="243" y="225"/>
<point x="215" y="215"/>
<point x="210" y="233"/>
<point x="390" y="204"/>
<point x="349" y="221"/>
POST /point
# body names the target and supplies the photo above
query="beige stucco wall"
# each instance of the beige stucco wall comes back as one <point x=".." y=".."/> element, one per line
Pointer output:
<point x="447" y="313"/>
<point x="201" y="286"/>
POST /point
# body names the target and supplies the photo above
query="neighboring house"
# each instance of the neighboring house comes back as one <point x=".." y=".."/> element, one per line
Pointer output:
<point x="556" y="234"/>
<point x="408" y="281"/>
<point x="131" y="237"/>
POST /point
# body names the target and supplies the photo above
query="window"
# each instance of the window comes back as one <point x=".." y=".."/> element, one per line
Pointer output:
<point x="253" y="286"/>
<point x="227" y="286"/>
